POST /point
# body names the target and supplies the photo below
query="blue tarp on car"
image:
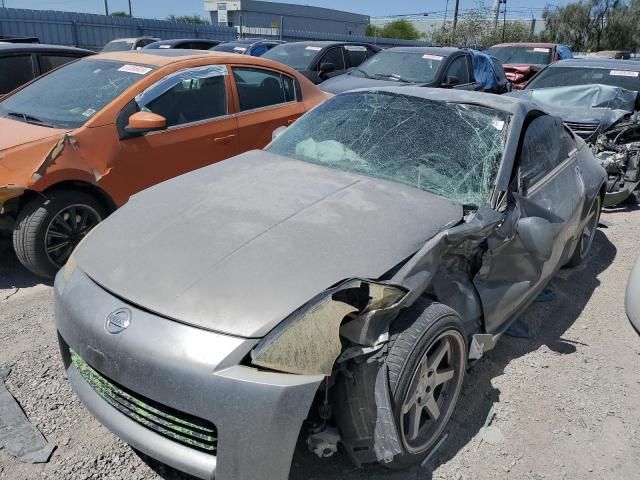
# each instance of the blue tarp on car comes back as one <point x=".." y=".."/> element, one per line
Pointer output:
<point x="564" y="52"/>
<point x="485" y="72"/>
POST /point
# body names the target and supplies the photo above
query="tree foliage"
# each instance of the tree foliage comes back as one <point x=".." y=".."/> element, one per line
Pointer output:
<point x="197" y="19"/>
<point x="476" y="29"/>
<point x="120" y="14"/>
<point x="400" y="28"/>
<point x="592" y="25"/>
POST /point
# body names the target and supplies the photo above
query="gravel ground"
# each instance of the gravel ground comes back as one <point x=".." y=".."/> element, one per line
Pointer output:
<point x="564" y="403"/>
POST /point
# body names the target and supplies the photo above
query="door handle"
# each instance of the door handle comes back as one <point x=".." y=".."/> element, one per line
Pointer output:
<point x="291" y="120"/>
<point x="225" y="139"/>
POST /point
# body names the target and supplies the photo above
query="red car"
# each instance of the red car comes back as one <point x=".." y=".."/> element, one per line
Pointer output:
<point x="521" y="61"/>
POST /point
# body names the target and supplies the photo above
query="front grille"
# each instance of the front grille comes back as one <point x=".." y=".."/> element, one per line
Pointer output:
<point x="168" y="422"/>
<point x="584" y="130"/>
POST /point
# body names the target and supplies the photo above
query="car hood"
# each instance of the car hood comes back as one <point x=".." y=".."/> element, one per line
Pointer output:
<point x="14" y="133"/>
<point x="343" y="83"/>
<point x="23" y="148"/>
<point x="599" y="104"/>
<point x="237" y="246"/>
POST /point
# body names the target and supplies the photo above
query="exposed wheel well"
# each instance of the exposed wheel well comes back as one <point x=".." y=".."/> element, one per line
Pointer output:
<point x="96" y="192"/>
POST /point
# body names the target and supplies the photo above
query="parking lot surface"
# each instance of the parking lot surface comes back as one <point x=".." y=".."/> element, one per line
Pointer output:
<point x="560" y="404"/>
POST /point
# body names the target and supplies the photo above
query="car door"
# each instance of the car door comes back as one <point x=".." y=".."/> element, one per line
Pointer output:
<point x="529" y="246"/>
<point x="460" y="70"/>
<point x="266" y="99"/>
<point x="201" y="129"/>
<point x="335" y="57"/>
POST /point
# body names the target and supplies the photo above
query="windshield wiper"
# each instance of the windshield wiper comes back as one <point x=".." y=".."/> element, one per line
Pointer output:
<point x="29" y="119"/>
<point x="366" y="75"/>
<point x="394" y="76"/>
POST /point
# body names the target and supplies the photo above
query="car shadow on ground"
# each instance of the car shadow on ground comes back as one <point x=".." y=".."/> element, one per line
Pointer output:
<point x="12" y="274"/>
<point x="478" y="395"/>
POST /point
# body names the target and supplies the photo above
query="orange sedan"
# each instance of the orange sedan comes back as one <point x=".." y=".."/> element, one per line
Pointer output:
<point x="76" y="143"/>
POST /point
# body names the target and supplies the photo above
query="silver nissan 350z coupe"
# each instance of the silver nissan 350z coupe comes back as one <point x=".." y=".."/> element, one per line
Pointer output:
<point x="335" y="285"/>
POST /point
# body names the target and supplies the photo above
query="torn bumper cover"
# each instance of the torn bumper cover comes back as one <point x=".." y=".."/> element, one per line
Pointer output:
<point x="228" y="413"/>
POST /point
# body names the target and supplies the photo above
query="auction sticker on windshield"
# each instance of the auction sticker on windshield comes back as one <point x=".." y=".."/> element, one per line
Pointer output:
<point x="539" y="49"/>
<point x="623" y="73"/>
<point x="315" y="49"/>
<point x="135" y="69"/>
<point x="432" y="57"/>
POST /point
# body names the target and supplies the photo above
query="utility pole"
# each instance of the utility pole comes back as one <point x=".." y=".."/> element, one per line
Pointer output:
<point x="106" y="8"/>
<point x="2" y="4"/>
<point x="455" y="21"/>
<point x="504" y="17"/>
<point x="446" y="10"/>
<point x="130" y="14"/>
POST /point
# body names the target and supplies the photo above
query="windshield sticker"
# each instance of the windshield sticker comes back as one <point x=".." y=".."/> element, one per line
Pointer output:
<point x="498" y="124"/>
<point x="164" y="46"/>
<point x="542" y="50"/>
<point x="623" y="73"/>
<point x="137" y="69"/>
<point x="315" y="49"/>
<point x="432" y="57"/>
<point x="355" y="48"/>
<point x="89" y="112"/>
<point x="239" y="49"/>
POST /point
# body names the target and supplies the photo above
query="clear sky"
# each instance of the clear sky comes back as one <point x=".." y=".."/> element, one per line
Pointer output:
<point x="375" y="8"/>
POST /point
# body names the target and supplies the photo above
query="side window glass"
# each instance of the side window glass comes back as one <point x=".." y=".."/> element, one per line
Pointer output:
<point x="259" y="88"/>
<point x="334" y="56"/>
<point x="370" y="53"/>
<point x="14" y="71"/>
<point x="49" y="62"/>
<point x="356" y="54"/>
<point x="546" y="144"/>
<point x="459" y="69"/>
<point x="188" y="95"/>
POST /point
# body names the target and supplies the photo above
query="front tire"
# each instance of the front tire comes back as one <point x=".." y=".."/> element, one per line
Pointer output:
<point x="426" y="334"/>
<point x="427" y="363"/>
<point x="49" y="228"/>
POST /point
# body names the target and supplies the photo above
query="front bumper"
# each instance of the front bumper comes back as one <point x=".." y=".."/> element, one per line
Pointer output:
<point x="257" y="415"/>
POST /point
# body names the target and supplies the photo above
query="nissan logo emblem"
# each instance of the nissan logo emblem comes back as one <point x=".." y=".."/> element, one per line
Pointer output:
<point x="118" y="321"/>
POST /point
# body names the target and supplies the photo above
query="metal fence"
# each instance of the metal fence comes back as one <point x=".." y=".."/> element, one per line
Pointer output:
<point x="94" y="31"/>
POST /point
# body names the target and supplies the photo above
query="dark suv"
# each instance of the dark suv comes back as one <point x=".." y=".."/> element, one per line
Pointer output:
<point x="22" y="62"/>
<point x="319" y="61"/>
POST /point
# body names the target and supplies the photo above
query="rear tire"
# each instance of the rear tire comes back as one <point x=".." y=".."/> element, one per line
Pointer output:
<point x="49" y="228"/>
<point x="587" y="235"/>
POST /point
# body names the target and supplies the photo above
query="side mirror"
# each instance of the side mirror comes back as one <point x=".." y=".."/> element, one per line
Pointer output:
<point x="326" y="67"/>
<point x="536" y="234"/>
<point x="277" y="132"/>
<point x="144" y="122"/>
<point x="451" y="81"/>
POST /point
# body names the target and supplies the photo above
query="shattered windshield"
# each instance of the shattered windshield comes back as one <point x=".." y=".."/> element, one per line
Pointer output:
<point x="522" y="55"/>
<point x="556" y="76"/>
<point x="81" y="89"/>
<point x="411" y="67"/>
<point x="297" y="55"/>
<point x="452" y="150"/>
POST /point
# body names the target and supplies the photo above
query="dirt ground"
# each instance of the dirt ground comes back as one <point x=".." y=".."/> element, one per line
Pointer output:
<point x="563" y="403"/>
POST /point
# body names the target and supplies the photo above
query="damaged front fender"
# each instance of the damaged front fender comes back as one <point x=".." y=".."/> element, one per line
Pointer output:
<point x="308" y="342"/>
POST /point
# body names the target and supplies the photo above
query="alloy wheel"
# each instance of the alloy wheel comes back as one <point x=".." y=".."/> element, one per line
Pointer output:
<point x="67" y="228"/>
<point x="589" y="230"/>
<point x="433" y="391"/>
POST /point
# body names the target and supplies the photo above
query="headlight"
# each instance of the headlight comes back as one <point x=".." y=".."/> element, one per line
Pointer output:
<point x="308" y="341"/>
